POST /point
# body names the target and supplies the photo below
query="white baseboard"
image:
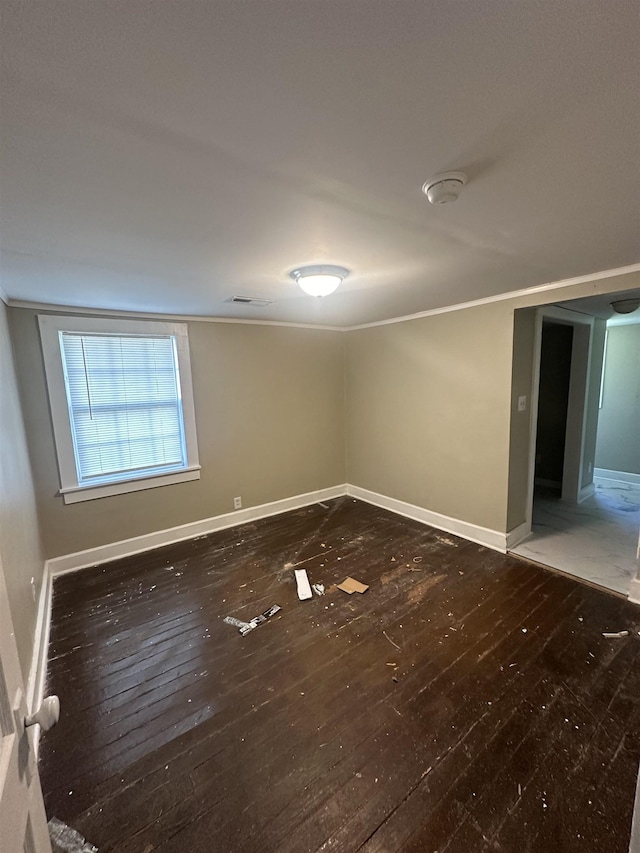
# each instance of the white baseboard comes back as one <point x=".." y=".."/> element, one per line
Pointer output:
<point x="38" y="670"/>
<point x="621" y="476"/>
<point x="518" y="535"/>
<point x="585" y="492"/>
<point x="138" y="544"/>
<point x="482" y="535"/>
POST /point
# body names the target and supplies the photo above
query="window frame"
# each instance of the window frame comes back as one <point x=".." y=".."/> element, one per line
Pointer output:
<point x="70" y="488"/>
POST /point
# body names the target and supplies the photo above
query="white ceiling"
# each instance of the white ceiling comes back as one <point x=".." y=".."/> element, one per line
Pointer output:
<point x="165" y="156"/>
<point x="600" y="306"/>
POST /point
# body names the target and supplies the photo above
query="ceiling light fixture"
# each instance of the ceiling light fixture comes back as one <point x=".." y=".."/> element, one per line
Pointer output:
<point x="319" y="279"/>
<point x="625" y="306"/>
<point x="444" y="188"/>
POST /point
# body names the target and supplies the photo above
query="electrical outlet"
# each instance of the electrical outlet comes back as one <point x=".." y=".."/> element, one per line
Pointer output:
<point x="237" y="503"/>
<point x="522" y="404"/>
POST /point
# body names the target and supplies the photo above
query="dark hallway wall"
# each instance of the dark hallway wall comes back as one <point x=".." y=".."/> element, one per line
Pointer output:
<point x="555" y="372"/>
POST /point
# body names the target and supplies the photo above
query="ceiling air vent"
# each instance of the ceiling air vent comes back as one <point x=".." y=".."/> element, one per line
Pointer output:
<point x="250" y="300"/>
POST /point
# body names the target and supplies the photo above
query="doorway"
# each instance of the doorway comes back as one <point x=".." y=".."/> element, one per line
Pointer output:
<point x="553" y="404"/>
<point x="576" y="522"/>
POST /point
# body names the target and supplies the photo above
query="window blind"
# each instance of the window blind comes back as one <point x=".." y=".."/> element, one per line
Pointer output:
<point x="125" y="408"/>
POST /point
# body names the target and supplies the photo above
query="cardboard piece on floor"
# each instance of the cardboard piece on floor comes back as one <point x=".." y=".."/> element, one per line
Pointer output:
<point x="351" y="585"/>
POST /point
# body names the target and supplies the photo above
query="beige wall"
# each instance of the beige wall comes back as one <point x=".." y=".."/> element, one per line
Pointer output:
<point x="432" y="406"/>
<point x="269" y="407"/>
<point x="428" y="412"/>
<point x="618" y="443"/>
<point x="20" y="549"/>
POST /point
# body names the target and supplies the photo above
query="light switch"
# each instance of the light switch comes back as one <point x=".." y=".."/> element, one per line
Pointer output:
<point x="522" y="404"/>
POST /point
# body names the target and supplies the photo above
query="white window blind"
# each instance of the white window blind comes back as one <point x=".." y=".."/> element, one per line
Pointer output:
<point x="121" y="397"/>
<point x="123" y="394"/>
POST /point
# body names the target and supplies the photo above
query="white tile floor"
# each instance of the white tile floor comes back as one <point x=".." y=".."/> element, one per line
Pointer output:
<point x="596" y="540"/>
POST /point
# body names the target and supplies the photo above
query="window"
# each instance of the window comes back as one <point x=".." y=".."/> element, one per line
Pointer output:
<point x="121" y="404"/>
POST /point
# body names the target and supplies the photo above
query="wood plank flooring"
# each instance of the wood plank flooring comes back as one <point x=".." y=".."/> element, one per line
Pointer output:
<point x="467" y="702"/>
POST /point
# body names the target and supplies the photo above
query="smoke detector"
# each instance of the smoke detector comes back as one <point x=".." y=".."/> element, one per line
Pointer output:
<point x="441" y="189"/>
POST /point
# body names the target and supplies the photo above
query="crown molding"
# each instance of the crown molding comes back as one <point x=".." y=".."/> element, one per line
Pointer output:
<point x="502" y="297"/>
<point x="147" y="315"/>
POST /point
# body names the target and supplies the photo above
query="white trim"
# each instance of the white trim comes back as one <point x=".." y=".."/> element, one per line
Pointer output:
<point x="473" y="532"/>
<point x="565" y="316"/>
<point x="518" y="535"/>
<point x="502" y="297"/>
<point x="620" y="476"/>
<point x="604" y="365"/>
<point x="577" y="408"/>
<point x="533" y="418"/>
<point x="74" y="494"/>
<point x="71" y="490"/>
<point x="148" y="315"/>
<point x="586" y="492"/>
<point x="38" y="669"/>
<point x="138" y="544"/>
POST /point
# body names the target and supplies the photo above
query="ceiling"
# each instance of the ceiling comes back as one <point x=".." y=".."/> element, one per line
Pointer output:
<point x="165" y="156"/>
<point x="600" y="306"/>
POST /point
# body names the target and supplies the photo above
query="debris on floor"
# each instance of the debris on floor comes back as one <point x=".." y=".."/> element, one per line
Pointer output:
<point x="417" y="559"/>
<point x="67" y="840"/>
<point x="238" y="623"/>
<point x="245" y="627"/>
<point x="318" y="588"/>
<point x="351" y="585"/>
<point x="615" y="635"/>
<point x="262" y="617"/>
<point x="302" y="582"/>
<point x="391" y="641"/>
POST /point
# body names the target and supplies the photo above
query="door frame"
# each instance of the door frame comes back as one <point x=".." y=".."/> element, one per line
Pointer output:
<point x="582" y="324"/>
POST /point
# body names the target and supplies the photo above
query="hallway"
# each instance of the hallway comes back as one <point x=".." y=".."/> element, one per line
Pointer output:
<point x="595" y="540"/>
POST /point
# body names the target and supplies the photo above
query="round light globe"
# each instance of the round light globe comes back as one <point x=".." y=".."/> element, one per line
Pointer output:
<point x="319" y="285"/>
<point x="319" y="279"/>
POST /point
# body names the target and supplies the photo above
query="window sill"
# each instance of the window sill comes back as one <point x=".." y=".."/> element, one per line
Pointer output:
<point x="75" y="494"/>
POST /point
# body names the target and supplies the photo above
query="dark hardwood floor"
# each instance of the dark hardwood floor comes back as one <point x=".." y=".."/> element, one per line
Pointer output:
<point x="467" y="702"/>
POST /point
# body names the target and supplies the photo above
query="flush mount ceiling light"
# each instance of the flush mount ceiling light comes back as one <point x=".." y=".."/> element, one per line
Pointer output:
<point x="625" y="306"/>
<point x="444" y="188"/>
<point x="319" y="279"/>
